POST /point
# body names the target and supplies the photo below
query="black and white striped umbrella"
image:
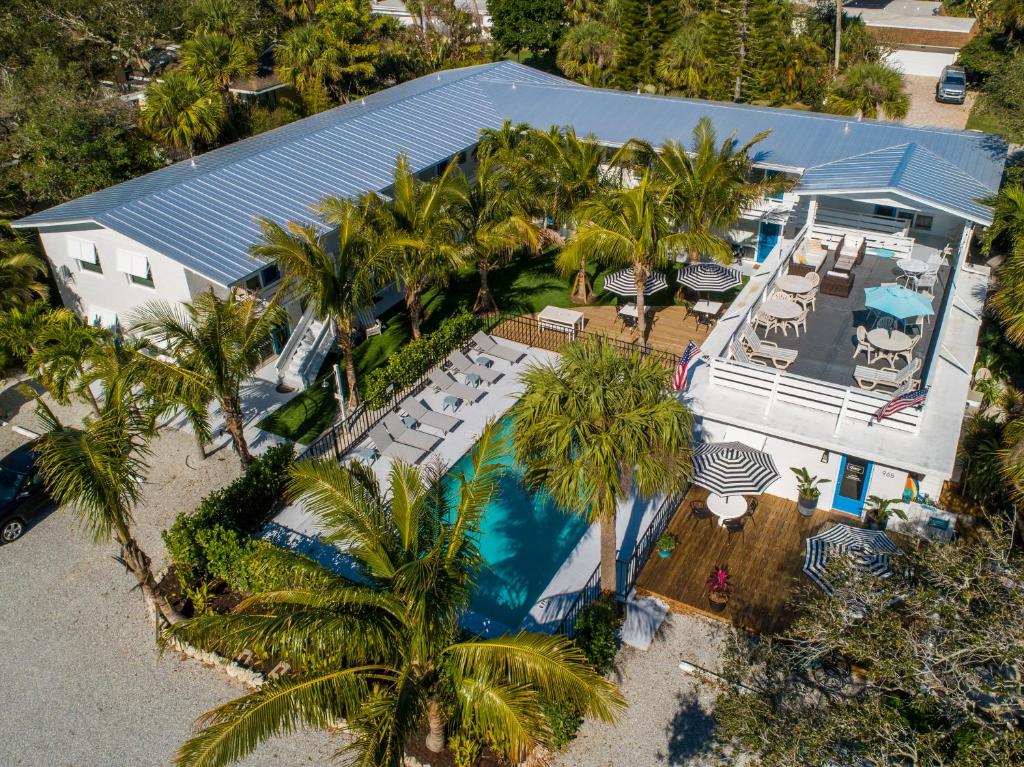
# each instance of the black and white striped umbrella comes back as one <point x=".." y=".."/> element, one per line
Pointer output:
<point x="868" y="550"/>
<point x="623" y="282"/>
<point x="732" y="468"/>
<point x="709" y="277"/>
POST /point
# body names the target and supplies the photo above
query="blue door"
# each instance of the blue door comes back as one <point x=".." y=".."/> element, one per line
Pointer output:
<point x="852" y="485"/>
<point x="767" y="237"/>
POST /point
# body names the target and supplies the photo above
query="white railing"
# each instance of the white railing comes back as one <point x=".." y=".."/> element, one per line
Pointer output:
<point x="293" y="340"/>
<point x="867" y="221"/>
<point x="844" y="402"/>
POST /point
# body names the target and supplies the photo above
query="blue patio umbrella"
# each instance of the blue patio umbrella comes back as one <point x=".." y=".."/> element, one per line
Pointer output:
<point x="899" y="302"/>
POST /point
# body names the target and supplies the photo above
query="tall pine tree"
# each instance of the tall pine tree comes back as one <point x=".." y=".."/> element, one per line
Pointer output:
<point x="769" y="29"/>
<point x="645" y="25"/>
<point x="722" y="42"/>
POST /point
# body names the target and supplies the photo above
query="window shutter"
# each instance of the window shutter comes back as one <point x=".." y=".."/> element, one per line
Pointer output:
<point x="83" y="250"/>
<point x="132" y="263"/>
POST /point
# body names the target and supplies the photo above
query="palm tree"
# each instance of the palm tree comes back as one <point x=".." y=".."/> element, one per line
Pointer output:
<point x="493" y="223"/>
<point x="212" y="346"/>
<point x="61" y="352"/>
<point x="389" y="656"/>
<point x="1008" y="14"/>
<point x="594" y="425"/>
<point x="869" y="90"/>
<point x="421" y="231"/>
<point x="628" y="227"/>
<point x="98" y="471"/>
<point x="586" y="53"/>
<point x="307" y="60"/>
<point x="682" y="64"/>
<point x="568" y="171"/>
<point x="337" y="283"/>
<point x="709" y="186"/>
<point x="181" y="110"/>
<point x="21" y="272"/>
<point x="1008" y="227"/>
<point x="507" y="142"/>
<point x="19" y="329"/>
<point x="218" y="58"/>
<point x="225" y="16"/>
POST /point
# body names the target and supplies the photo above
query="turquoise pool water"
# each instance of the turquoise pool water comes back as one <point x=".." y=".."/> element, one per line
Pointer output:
<point x="524" y="539"/>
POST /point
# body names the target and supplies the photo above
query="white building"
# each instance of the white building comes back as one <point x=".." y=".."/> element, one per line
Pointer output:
<point x="904" y="190"/>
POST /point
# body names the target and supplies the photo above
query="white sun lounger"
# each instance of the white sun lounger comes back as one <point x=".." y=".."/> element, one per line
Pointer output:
<point x="386" y="446"/>
<point x="444" y="382"/>
<point x="429" y="417"/>
<point x="487" y="345"/>
<point x="467" y="367"/>
<point x="403" y="434"/>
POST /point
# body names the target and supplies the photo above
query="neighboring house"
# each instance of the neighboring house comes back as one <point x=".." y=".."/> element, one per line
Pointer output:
<point x="923" y="41"/>
<point x="397" y="9"/>
<point x="901" y="189"/>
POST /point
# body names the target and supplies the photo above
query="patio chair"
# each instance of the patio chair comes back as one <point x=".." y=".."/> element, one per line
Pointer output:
<point x="428" y="417"/>
<point x="700" y="510"/>
<point x="814" y="278"/>
<point x="926" y="281"/>
<point x="863" y="345"/>
<point x="909" y="353"/>
<point x="751" y="507"/>
<point x="445" y="383"/>
<point x="402" y="433"/>
<point x="837" y="283"/>
<point x="886" y="322"/>
<point x="799" y="322"/>
<point x="808" y="299"/>
<point x="386" y="446"/>
<point x="735" y="526"/>
<point x="492" y="348"/>
<point x="739" y="353"/>
<point x="779" y="357"/>
<point x="889" y="378"/>
<point x="765" y="320"/>
<point x="471" y="369"/>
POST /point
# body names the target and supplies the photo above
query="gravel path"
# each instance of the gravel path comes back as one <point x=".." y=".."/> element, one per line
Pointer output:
<point x="668" y="721"/>
<point x="82" y="684"/>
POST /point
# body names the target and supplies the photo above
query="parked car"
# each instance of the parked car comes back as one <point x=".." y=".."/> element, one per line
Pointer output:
<point x="952" y="85"/>
<point x="22" y="495"/>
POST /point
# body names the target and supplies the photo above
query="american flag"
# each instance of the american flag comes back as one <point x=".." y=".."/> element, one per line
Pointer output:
<point x="690" y="357"/>
<point x="901" y="402"/>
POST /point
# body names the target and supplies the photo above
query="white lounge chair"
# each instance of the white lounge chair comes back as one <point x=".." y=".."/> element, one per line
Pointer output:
<point x="429" y="417"/>
<point x="487" y="345"/>
<point x="779" y="357"/>
<point x="402" y="433"/>
<point x="386" y="446"/>
<point x="468" y="368"/>
<point x="889" y="378"/>
<point x="445" y="383"/>
<point x="739" y="353"/>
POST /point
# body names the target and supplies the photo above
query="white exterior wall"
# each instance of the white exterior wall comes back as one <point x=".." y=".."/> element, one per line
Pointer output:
<point x="885" y="481"/>
<point x="944" y="224"/>
<point x="84" y="291"/>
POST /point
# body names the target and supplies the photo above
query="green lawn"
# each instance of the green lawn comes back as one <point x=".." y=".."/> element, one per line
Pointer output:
<point x="525" y="286"/>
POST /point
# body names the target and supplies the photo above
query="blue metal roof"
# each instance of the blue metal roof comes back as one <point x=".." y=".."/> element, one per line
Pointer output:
<point x="908" y="169"/>
<point x="203" y="215"/>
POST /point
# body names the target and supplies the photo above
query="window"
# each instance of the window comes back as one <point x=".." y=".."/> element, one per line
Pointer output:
<point x="264" y="278"/>
<point x="136" y="266"/>
<point x="923" y="222"/>
<point x="885" y="211"/>
<point x="84" y="252"/>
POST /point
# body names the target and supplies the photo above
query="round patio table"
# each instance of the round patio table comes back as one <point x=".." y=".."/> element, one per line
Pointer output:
<point x="793" y="283"/>
<point x="726" y="506"/>
<point x="889" y="345"/>
<point x="781" y="309"/>
<point x="912" y="266"/>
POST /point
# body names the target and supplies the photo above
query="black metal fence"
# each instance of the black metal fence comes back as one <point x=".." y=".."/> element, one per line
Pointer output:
<point x="627" y="570"/>
<point x="590" y="593"/>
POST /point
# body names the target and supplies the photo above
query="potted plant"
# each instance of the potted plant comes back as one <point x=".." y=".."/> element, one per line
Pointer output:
<point x="718" y="587"/>
<point x="807" y="490"/>
<point x="878" y="510"/>
<point x="666" y="543"/>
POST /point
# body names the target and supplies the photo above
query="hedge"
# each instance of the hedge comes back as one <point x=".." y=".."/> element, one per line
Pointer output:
<point x="204" y="543"/>
<point x="406" y="366"/>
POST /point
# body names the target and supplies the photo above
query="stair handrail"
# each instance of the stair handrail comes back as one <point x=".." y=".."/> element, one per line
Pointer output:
<point x="293" y="340"/>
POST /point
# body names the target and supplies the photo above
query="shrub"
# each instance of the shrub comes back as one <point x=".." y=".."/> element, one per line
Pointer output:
<point x="465" y="750"/>
<point x="564" y="722"/>
<point x="597" y="634"/>
<point x="408" y="364"/>
<point x="226" y="517"/>
<point x="983" y="56"/>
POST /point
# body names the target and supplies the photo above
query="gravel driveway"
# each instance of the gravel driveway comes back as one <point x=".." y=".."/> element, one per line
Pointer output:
<point x="925" y="110"/>
<point x="81" y="684"/>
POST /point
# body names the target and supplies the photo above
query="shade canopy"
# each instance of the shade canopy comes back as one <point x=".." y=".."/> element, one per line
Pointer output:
<point x="623" y="282"/>
<point x="732" y="468"/>
<point x="899" y="302"/>
<point x="709" y="276"/>
<point x="868" y="550"/>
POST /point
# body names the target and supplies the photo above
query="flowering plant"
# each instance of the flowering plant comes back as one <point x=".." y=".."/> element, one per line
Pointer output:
<point x="718" y="582"/>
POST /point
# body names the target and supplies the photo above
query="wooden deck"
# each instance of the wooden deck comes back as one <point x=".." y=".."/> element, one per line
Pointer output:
<point x="764" y="563"/>
<point x="671" y="330"/>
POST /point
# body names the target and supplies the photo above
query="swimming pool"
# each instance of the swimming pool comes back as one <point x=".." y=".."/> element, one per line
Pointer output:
<point x="524" y="539"/>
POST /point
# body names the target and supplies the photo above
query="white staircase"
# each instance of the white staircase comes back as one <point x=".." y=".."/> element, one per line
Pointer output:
<point x="302" y="356"/>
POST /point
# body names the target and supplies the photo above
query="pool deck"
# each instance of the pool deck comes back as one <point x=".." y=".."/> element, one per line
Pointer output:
<point x="295" y="528"/>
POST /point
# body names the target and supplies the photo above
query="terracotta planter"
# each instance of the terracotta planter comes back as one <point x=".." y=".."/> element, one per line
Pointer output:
<point x="807" y="506"/>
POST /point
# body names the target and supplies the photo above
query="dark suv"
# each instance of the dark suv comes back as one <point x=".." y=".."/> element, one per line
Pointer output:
<point x="952" y="85"/>
<point x="22" y="494"/>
